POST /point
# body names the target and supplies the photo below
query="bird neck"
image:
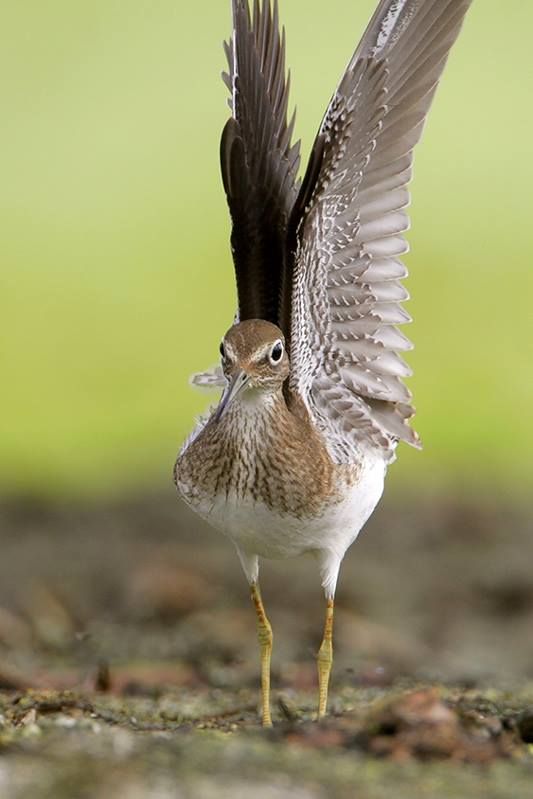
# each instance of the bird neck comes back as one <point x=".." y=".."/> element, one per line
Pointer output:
<point x="256" y="404"/>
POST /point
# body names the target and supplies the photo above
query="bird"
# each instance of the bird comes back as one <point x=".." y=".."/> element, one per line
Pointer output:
<point x="292" y="460"/>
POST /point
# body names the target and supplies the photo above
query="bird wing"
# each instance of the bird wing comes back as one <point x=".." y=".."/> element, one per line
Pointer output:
<point x="259" y="163"/>
<point x="349" y="222"/>
<point x="212" y="378"/>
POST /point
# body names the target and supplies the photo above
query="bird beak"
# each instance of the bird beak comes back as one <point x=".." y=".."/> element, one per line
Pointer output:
<point x="237" y="384"/>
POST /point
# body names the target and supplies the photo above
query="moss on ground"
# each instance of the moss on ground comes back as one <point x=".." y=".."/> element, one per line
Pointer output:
<point x="440" y="742"/>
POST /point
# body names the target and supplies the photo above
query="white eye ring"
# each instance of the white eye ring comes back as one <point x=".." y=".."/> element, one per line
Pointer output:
<point x="276" y="353"/>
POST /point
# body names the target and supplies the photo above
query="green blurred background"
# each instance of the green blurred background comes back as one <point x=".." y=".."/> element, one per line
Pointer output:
<point x="116" y="278"/>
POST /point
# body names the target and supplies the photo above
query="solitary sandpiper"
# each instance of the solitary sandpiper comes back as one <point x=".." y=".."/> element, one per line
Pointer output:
<point x="293" y="458"/>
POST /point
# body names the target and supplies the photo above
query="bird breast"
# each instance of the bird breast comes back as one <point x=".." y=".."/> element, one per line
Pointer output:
<point x="259" y="452"/>
<point x="264" y="477"/>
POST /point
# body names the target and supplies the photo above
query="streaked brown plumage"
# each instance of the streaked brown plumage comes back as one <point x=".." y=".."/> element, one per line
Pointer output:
<point x="294" y="457"/>
<point x="274" y="454"/>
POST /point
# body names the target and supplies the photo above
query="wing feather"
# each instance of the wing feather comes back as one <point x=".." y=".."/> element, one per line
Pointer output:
<point x="347" y="294"/>
<point x="259" y="164"/>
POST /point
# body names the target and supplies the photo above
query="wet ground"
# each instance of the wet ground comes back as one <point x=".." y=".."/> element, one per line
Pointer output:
<point x="129" y="663"/>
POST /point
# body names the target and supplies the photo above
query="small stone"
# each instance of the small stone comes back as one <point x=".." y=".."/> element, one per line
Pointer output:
<point x="29" y="718"/>
<point x="289" y="710"/>
<point x="65" y="721"/>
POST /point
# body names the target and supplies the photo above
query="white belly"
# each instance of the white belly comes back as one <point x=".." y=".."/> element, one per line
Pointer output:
<point x="258" y="529"/>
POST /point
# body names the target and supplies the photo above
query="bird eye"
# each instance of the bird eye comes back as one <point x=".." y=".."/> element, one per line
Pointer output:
<point x="276" y="353"/>
<point x="222" y="350"/>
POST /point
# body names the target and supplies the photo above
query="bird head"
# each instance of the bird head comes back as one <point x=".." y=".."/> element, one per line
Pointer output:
<point x="254" y="359"/>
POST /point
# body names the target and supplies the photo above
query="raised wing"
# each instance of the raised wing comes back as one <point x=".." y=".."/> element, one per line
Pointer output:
<point x="350" y="223"/>
<point x="259" y="164"/>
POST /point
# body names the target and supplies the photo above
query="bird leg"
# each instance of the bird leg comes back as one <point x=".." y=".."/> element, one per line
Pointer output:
<point x="325" y="660"/>
<point x="264" y="631"/>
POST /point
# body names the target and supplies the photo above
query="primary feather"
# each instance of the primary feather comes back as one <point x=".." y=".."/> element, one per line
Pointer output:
<point x="347" y="272"/>
<point x="259" y="163"/>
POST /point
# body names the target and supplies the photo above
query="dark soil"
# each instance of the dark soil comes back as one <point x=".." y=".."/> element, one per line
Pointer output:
<point x="129" y="662"/>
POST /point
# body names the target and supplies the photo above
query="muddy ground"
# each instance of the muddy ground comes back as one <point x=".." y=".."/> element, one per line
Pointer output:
<point x="129" y="663"/>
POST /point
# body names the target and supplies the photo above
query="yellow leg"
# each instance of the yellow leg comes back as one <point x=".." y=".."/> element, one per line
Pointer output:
<point x="264" y="631"/>
<point x="325" y="660"/>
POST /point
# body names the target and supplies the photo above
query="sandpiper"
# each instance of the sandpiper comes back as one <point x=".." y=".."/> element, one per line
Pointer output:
<point x="293" y="458"/>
